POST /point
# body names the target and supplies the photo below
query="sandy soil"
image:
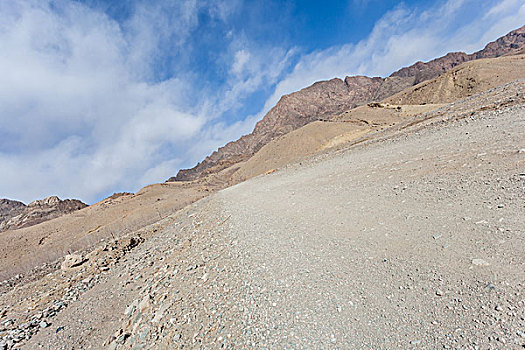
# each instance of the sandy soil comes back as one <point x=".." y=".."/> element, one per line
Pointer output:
<point x="30" y="248"/>
<point x="322" y="135"/>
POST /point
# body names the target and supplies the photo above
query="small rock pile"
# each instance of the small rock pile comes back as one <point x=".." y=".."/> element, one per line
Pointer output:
<point x="76" y="275"/>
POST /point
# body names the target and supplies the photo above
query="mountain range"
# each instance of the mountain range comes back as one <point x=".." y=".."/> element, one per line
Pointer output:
<point x="15" y="214"/>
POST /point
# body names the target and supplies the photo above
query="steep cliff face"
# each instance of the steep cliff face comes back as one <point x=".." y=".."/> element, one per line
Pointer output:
<point x="326" y="99"/>
<point x="15" y="215"/>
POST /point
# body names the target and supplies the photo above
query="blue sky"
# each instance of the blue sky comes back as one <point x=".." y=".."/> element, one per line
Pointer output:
<point x="99" y="96"/>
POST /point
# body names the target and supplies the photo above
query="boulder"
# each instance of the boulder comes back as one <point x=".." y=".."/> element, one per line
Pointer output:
<point x="71" y="261"/>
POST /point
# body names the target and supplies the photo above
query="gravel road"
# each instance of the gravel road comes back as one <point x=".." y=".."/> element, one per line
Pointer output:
<point x="418" y="241"/>
<point x="412" y="242"/>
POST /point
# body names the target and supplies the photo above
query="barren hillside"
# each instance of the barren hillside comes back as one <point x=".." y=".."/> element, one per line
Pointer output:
<point x="413" y="230"/>
<point x="325" y="134"/>
<point x="10" y="208"/>
<point x="17" y="215"/>
<point x="39" y="246"/>
<point x="465" y="80"/>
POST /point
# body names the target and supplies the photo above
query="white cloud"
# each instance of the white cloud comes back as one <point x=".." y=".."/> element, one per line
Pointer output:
<point x="78" y="114"/>
<point x="241" y="59"/>
<point x="82" y="111"/>
<point x="155" y="25"/>
<point x="251" y="71"/>
<point x="503" y="8"/>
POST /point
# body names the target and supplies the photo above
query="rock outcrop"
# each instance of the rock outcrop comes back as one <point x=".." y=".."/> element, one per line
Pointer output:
<point x="10" y="208"/>
<point x="71" y="261"/>
<point x="15" y="215"/>
<point x="326" y="99"/>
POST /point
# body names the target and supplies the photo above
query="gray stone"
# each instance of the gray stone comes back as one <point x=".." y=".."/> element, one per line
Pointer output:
<point x="145" y="303"/>
<point x="479" y="262"/>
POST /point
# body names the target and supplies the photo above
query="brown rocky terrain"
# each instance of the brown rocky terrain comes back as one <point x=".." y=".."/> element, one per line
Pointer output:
<point x="387" y="225"/>
<point x="465" y="80"/>
<point x="411" y="234"/>
<point x="31" y="251"/>
<point x="10" y="208"/>
<point x="293" y="111"/>
<point x="320" y="135"/>
<point x="462" y="81"/>
<point x="16" y="215"/>
<point x="120" y="214"/>
<point x="327" y="99"/>
<point x="421" y="71"/>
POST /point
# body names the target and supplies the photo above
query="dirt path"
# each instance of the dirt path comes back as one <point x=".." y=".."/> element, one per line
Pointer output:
<point x="417" y="241"/>
<point x="413" y="242"/>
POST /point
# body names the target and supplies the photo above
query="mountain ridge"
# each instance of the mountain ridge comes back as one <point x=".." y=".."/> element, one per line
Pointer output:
<point x="15" y="214"/>
<point x="326" y="99"/>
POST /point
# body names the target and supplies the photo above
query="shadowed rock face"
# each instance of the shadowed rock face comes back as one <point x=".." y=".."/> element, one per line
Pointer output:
<point x="326" y="99"/>
<point x="15" y="215"/>
<point x="10" y="208"/>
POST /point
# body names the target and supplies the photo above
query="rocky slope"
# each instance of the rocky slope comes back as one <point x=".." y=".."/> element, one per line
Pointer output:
<point x="420" y="71"/>
<point x="293" y="111"/>
<point x="410" y="240"/>
<point x="462" y="81"/>
<point x="407" y="237"/>
<point x="15" y="215"/>
<point x="10" y="208"/>
<point x="320" y="135"/>
<point x="465" y="80"/>
<point x="327" y="99"/>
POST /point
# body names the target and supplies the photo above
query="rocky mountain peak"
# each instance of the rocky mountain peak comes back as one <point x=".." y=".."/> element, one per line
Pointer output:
<point x="49" y="201"/>
<point x="10" y="208"/>
<point x="15" y="215"/>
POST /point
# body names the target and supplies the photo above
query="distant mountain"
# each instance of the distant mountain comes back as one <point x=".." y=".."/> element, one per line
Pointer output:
<point x="420" y="71"/>
<point x="10" y="208"/>
<point x="467" y="79"/>
<point x="15" y="215"/>
<point x="327" y="99"/>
